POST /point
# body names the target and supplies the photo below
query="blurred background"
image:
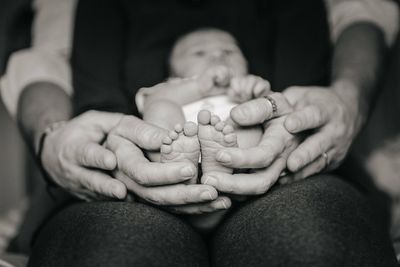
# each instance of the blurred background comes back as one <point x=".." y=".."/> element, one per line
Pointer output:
<point x="16" y="165"/>
<point x="13" y="156"/>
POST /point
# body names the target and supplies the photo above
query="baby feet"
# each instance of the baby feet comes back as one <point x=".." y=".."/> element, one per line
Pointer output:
<point x="214" y="135"/>
<point x="182" y="145"/>
<point x="185" y="143"/>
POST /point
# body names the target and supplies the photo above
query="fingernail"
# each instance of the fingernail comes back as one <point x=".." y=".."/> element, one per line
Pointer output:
<point x="110" y="162"/>
<point x="117" y="191"/>
<point x="187" y="171"/>
<point x="224" y="157"/>
<point x="296" y="163"/>
<point x="291" y="125"/>
<point x="206" y="195"/>
<point x="210" y="181"/>
<point x="224" y="204"/>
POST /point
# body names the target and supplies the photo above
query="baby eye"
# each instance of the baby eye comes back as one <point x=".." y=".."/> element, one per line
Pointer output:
<point x="228" y="52"/>
<point x="199" y="53"/>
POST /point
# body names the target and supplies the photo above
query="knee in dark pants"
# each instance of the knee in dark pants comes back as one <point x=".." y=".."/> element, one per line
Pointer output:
<point x="322" y="221"/>
<point x="117" y="234"/>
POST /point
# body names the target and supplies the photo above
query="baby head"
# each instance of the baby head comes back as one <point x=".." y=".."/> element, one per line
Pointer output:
<point x="199" y="50"/>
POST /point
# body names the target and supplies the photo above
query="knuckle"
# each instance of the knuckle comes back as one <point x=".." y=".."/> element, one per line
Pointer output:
<point x="231" y="189"/>
<point x="266" y="154"/>
<point x="321" y="147"/>
<point x="307" y="156"/>
<point x="140" y="178"/>
<point x="86" y="184"/>
<point x="186" y="197"/>
<point x="87" y="153"/>
<point x="155" y="199"/>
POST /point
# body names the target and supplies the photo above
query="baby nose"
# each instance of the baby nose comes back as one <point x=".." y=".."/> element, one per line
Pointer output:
<point x="218" y="55"/>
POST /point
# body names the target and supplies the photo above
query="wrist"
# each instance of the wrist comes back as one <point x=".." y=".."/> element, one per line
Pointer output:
<point x="349" y="94"/>
<point x="40" y="105"/>
<point x="41" y="146"/>
<point x="41" y="136"/>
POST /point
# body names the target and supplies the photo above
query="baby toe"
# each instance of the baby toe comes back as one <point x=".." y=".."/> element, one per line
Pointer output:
<point x="228" y="129"/>
<point x="190" y="128"/>
<point x="230" y="138"/>
<point x="167" y="140"/>
<point x="204" y="117"/>
<point x="219" y="126"/>
<point x="173" y="135"/>
<point x="178" y="128"/>
<point x="166" y="149"/>
<point x="214" y="120"/>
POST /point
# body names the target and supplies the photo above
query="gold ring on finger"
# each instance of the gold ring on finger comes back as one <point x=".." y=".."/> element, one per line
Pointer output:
<point x="272" y="102"/>
<point x="326" y="158"/>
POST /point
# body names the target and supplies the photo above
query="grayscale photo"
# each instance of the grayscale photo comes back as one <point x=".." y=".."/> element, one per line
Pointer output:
<point x="210" y="133"/>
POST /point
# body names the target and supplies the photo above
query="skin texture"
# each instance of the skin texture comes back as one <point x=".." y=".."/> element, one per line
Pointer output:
<point x="337" y="114"/>
<point x="74" y="157"/>
<point x="270" y="157"/>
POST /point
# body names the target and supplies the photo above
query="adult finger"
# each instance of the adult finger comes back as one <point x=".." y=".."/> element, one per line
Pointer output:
<point x="260" y="156"/>
<point x="318" y="165"/>
<point x="312" y="148"/>
<point x="95" y="156"/>
<point x="246" y="184"/>
<point x="261" y="88"/>
<point x="310" y="117"/>
<point x="133" y="163"/>
<point x="221" y="203"/>
<point x="258" y="110"/>
<point x="275" y="140"/>
<point x="145" y="135"/>
<point x="249" y="84"/>
<point x="102" y="184"/>
<point x="171" y="195"/>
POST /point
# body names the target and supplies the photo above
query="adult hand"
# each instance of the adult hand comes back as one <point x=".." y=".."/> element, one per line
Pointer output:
<point x="74" y="159"/>
<point x="268" y="159"/>
<point x="334" y="124"/>
<point x="161" y="184"/>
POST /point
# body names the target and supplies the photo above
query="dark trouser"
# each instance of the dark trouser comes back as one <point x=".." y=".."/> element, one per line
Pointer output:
<point x="320" y="221"/>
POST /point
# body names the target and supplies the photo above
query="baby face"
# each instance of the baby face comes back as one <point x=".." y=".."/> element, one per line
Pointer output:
<point x="200" y="50"/>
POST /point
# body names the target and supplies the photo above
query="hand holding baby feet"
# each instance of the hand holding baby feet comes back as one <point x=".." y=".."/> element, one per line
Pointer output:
<point x="181" y="145"/>
<point x="214" y="81"/>
<point x="244" y="88"/>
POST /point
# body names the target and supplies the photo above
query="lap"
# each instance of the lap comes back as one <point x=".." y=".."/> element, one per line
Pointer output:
<point x="316" y="222"/>
<point x="117" y="234"/>
<point x="320" y="221"/>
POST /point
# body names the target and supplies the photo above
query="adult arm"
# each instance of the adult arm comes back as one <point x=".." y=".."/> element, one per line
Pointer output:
<point x="47" y="59"/>
<point x="338" y="115"/>
<point x="97" y="58"/>
<point x="38" y="80"/>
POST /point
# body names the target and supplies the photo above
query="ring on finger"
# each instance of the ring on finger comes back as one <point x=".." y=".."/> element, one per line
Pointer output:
<point x="326" y="158"/>
<point x="272" y="102"/>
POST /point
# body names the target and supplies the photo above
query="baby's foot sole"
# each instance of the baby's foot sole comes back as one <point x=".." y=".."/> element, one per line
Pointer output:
<point x="214" y="135"/>
<point x="182" y="145"/>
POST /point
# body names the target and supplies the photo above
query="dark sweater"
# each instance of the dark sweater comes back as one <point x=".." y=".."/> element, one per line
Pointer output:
<point x="123" y="45"/>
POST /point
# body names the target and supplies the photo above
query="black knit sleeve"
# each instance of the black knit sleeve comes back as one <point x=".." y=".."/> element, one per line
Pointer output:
<point x="97" y="57"/>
